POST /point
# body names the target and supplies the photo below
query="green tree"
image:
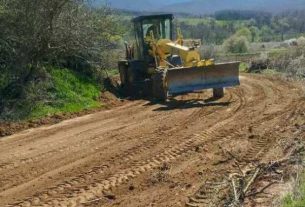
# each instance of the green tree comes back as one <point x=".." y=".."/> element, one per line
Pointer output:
<point x="254" y="33"/>
<point x="244" y="32"/>
<point x="281" y="25"/>
<point x="236" y="44"/>
<point x="266" y="34"/>
<point x="39" y="33"/>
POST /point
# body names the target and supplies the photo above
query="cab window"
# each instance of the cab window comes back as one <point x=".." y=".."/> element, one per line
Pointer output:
<point x="160" y="28"/>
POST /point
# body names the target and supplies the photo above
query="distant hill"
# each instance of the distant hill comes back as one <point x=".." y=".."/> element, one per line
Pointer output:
<point x="211" y="6"/>
<point x="140" y="5"/>
<point x="204" y="6"/>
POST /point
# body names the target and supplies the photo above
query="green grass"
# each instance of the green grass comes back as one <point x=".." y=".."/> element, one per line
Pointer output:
<point x="113" y="72"/>
<point x="271" y="71"/>
<point x="193" y="21"/>
<point x="196" y="21"/>
<point x="71" y="93"/>
<point x="276" y="52"/>
<point x="237" y="23"/>
<point x="243" y="67"/>
<point x="291" y="200"/>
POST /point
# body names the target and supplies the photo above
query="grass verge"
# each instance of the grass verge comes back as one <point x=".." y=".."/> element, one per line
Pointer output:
<point x="296" y="199"/>
<point x="71" y="92"/>
<point x="243" y="67"/>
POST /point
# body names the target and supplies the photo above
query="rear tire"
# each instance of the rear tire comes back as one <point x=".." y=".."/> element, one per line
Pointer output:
<point x="159" y="88"/>
<point x="123" y="69"/>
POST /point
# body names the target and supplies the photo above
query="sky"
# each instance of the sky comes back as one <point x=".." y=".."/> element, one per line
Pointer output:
<point x="175" y="1"/>
<point x="165" y="1"/>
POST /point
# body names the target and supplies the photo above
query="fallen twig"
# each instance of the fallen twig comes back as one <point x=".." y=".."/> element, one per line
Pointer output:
<point x="253" y="178"/>
<point x="92" y="201"/>
<point x="262" y="190"/>
<point x="236" y="197"/>
<point x="241" y="192"/>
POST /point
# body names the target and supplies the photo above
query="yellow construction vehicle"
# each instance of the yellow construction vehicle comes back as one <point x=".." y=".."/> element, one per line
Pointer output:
<point x="160" y="66"/>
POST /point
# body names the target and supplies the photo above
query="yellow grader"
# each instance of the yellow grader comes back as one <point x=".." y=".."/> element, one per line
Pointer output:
<point x="158" y="66"/>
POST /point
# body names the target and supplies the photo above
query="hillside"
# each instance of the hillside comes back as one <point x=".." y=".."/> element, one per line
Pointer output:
<point x="139" y="5"/>
<point x="205" y="6"/>
<point x="210" y="6"/>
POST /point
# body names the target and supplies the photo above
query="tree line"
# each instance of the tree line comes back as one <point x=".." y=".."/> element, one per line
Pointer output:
<point x="40" y="34"/>
<point x="263" y="26"/>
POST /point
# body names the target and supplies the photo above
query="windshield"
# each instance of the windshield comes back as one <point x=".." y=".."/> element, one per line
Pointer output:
<point x="160" y="28"/>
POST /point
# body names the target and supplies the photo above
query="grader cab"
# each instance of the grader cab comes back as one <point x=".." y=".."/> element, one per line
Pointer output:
<point x="157" y="65"/>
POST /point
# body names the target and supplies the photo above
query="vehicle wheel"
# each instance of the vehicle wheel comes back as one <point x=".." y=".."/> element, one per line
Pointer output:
<point x="123" y="68"/>
<point x="159" y="86"/>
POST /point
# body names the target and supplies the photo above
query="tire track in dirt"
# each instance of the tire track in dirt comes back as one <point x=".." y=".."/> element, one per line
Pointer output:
<point x="140" y="154"/>
<point x="95" y="189"/>
<point x="202" y="139"/>
<point x="69" y="184"/>
<point x="29" y="160"/>
<point x="262" y="144"/>
<point x="90" y="125"/>
<point x="209" y="194"/>
<point x="87" y="120"/>
<point x="182" y="123"/>
<point x="65" y="148"/>
<point x="26" y="161"/>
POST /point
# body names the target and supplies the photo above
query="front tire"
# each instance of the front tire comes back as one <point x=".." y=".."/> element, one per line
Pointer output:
<point x="159" y="86"/>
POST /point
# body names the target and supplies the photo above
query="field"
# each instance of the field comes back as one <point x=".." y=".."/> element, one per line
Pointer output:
<point x="145" y="154"/>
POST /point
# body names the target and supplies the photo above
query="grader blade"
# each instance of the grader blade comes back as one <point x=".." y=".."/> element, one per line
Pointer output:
<point x="184" y="80"/>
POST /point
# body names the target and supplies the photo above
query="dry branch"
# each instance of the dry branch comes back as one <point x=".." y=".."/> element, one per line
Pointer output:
<point x="262" y="190"/>
<point x="241" y="191"/>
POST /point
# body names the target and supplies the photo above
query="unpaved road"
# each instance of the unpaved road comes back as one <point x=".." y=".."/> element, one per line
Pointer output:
<point x="143" y="154"/>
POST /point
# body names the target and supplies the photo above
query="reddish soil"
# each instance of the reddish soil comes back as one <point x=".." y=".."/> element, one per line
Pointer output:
<point x="146" y="154"/>
<point x="10" y="128"/>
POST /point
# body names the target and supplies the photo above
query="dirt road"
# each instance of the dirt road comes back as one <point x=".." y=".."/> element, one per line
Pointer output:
<point x="144" y="154"/>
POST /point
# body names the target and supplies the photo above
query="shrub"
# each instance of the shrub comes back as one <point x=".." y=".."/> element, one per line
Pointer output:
<point x="296" y="198"/>
<point x="236" y="44"/>
<point x="36" y="34"/>
<point x="301" y="41"/>
<point x="61" y="90"/>
<point x="244" y="32"/>
<point x="260" y="63"/>
<point x="70" y="92"/>
<point x="208" y="51"/>
<point x="296" y="67"/>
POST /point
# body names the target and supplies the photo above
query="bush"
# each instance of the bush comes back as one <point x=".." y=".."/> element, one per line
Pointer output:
<point x="208" y="51"/>
<point x="36" y="34"/>
<point x="236" y="44"/>
<point x="61" y="90"/>
<point x="70" y="92"/>
<point x="290" y="61"/>
<point x="296" y="67"/>
<point x="297" y="197"/>
<point x="244" y="32"/>
<point x="259" y="63"/>
<point x="301" y="41"/>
